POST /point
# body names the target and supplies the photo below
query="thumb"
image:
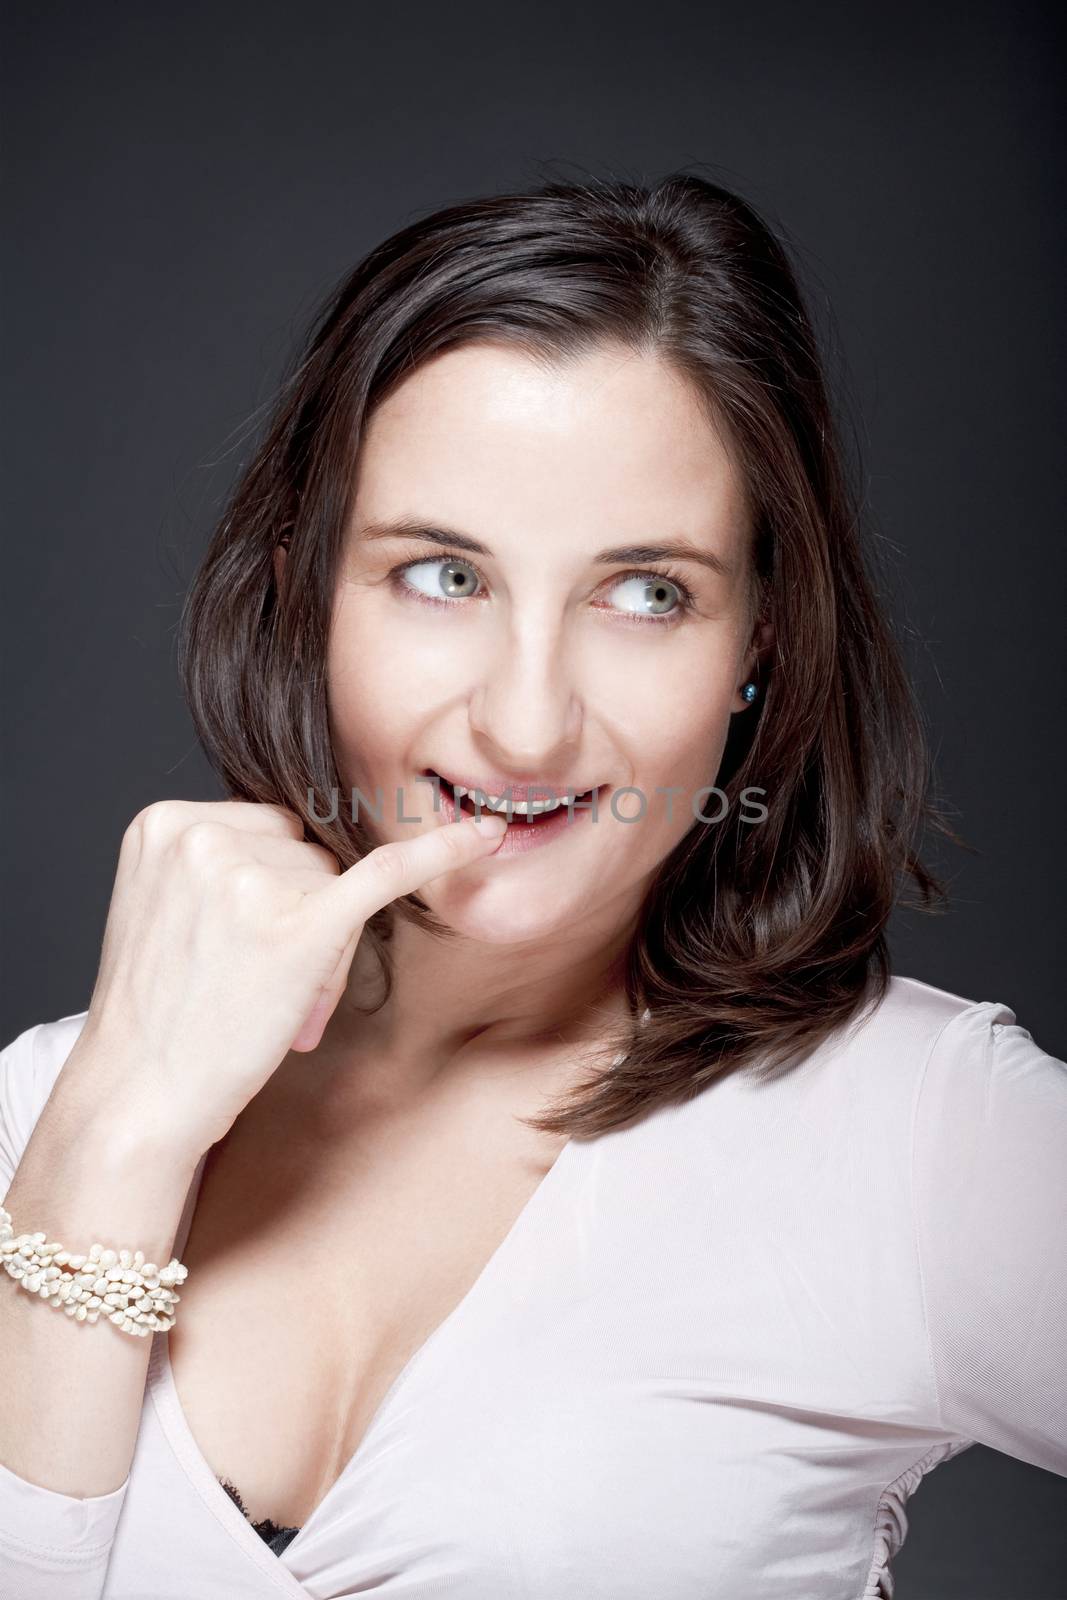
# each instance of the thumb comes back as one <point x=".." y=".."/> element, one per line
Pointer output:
<point x="314" y="1025"/>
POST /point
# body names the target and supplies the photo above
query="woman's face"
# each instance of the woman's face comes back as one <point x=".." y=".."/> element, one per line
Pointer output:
<point x="522" y="643"/>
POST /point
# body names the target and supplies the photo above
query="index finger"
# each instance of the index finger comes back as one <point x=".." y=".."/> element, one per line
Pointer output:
<point x="404" y="865"/>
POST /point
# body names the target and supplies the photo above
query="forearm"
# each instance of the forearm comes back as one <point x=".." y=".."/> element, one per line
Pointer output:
<point x="73" y="1390"/>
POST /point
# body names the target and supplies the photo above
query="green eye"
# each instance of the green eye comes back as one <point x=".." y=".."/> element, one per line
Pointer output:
<point x="443" y="579"/>
<point x="651" y="595"/>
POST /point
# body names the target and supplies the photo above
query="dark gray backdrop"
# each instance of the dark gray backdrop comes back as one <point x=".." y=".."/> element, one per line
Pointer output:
<point x="185" y="183"/>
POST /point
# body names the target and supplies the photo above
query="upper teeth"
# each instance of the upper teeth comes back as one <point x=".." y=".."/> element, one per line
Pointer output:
<point x="525" y="808"/>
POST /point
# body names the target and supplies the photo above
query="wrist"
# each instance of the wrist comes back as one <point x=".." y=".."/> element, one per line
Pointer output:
<point x="96" y="1098"/>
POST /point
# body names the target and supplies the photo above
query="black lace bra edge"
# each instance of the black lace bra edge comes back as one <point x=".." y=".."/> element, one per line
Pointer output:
<point x="271" y="1532"/>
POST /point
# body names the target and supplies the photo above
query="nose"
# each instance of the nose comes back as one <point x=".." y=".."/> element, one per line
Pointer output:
<point x="525" y="712"/>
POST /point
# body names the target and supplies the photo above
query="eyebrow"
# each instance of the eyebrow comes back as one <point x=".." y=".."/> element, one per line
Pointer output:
<point x="615" y="555"/>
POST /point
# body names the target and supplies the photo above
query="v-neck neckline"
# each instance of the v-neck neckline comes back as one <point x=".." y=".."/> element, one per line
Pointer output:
<point x="164" y="1389"/>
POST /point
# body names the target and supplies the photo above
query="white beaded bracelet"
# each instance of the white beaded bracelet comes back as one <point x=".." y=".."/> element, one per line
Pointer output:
<point x="140" y="1295"/>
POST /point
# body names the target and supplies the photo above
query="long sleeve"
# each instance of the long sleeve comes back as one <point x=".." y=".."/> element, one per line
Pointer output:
<point x="52" y="1546"/>
<point x="990" y="1196"/>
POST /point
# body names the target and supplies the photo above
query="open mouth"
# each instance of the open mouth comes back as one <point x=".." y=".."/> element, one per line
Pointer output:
<point x="460" y="802"/>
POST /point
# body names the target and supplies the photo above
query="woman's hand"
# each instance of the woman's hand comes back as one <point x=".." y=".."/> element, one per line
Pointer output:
<point x="228" y="943"/>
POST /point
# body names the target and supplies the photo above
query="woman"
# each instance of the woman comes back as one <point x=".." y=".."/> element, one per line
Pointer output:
<point x="578" y="1206"/>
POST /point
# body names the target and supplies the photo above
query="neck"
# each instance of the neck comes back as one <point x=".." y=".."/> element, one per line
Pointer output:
<point x="460" y="1008"/>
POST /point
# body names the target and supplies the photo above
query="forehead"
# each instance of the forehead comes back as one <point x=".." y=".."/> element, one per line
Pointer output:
<point x="488" y="430"/>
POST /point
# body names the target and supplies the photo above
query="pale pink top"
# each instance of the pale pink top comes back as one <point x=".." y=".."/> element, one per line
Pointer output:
<point x="715" y="1354"/>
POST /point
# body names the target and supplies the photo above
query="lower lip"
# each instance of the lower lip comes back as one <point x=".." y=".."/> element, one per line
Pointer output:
<point x="524" y="834"/>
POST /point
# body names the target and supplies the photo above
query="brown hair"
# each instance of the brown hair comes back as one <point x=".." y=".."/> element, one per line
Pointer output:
<point x="754" y="943"/>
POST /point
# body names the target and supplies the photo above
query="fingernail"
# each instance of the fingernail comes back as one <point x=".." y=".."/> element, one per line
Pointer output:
<point x="490" y="827"/>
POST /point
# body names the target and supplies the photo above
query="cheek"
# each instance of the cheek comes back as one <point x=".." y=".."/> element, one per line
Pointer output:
<point x="677" y="735"/>
<point x="372" y="685"/>
<point x="391" y="650"/>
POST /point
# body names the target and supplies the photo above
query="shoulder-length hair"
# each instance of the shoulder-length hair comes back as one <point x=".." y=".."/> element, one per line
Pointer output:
<point x="755" y="942"/>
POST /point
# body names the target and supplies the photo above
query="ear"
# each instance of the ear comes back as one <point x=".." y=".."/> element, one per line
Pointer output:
<point x="758" y="651"/>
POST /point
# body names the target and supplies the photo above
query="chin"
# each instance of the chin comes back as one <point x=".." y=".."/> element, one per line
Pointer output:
<point x="496" y="915"/>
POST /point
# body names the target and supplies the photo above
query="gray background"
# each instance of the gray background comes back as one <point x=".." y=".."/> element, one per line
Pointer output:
<point x="185" y="183"/>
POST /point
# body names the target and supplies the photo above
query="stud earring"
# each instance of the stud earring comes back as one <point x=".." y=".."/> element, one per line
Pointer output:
<point x="749" y="692"/>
